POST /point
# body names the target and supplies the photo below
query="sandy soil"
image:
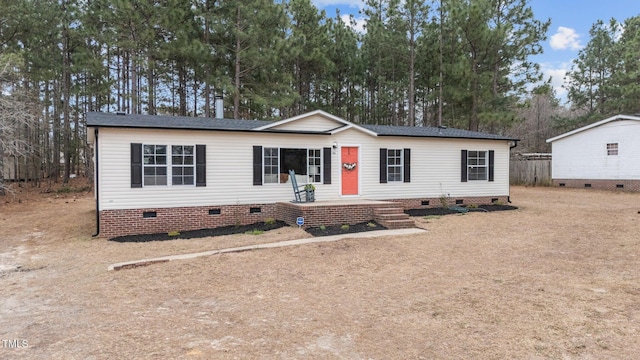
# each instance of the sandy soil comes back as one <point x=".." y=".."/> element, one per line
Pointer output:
<point x="558" y="278"/>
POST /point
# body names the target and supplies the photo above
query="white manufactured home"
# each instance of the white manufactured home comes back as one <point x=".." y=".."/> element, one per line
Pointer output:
<point x="605" y="155"/>
<point x="159" y="173"/>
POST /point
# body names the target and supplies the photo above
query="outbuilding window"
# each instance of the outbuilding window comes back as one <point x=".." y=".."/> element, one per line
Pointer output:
<point x="612" y="149"/>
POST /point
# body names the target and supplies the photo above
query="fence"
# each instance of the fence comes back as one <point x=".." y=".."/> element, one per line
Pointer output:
<point x="530" y="172"/>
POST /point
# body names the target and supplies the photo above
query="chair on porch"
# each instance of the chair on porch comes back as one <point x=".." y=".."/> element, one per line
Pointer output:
<point x="298" y="191"/>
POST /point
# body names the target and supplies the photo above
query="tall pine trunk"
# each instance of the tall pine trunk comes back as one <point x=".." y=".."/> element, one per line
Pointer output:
<point x="236" y="93"/>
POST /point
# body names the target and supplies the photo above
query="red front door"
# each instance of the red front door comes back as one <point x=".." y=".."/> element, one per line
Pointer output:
<point x="350" y="170"/>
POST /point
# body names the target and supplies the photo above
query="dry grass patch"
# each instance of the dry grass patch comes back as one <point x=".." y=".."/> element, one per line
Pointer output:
<point x="557" y="278"/>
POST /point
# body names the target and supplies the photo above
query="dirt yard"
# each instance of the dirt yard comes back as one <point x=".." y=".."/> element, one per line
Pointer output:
<point x="558" y="278"/>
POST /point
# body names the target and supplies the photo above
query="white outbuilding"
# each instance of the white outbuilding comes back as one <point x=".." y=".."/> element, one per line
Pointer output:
<point x="604" y="155"/>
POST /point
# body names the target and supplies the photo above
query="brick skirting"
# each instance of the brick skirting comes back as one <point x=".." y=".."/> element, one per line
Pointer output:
<point x="142" y="221"/>
<point x="408" y="204"/>
<point x="618" y="185"/>
<point x="332" y="214"/>
<point x="163" y="220"/>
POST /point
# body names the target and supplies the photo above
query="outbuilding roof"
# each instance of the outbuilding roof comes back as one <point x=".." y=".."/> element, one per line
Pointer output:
<point x="595" y="124"/>
<point x="98" y="119"/>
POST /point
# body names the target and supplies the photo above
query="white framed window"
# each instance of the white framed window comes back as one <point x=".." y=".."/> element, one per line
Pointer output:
<point x="394" y="165"/>
<point x="280" y="160"/>
<point x="154" y="164"/>
<point x="477" y="165"/>
<point x="182" y="165"/>
<point x="612" y="149"/>
<point x="271" y="166"/>
<point x="162" y="168"/>
<point x="315" y="165"/>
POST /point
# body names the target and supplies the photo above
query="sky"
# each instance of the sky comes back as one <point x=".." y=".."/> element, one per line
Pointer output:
<point x="571" y="21"/>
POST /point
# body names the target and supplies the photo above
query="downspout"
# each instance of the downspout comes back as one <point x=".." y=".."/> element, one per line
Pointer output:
<point x="97" y="180"/>
<point x="515" y="143"/>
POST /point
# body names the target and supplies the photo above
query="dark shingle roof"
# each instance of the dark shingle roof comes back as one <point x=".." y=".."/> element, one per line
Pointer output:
<point x="414" y="131"/>
<point x="170" y="122"/>
<point x="97" y="119"/>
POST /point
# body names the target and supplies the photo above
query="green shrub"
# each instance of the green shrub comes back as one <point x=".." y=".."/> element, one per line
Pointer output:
<point x="371" y="225"/>
<point x="173" y="233"/>
<point x="345" y="227"/>
<point x="254" y="232"/>
<point x="269" y="221"/>
<point x="322" y="227"/>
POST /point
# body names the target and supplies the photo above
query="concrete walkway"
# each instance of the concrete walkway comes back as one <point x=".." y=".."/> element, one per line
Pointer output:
<point x="366" y="234"/>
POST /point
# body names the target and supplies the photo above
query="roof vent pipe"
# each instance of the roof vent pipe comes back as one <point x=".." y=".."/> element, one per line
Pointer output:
<point x="219" y="107"/>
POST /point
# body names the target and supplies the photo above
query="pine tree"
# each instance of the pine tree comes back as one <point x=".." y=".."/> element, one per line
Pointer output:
<point x="591" y="74"/>
<point x="345" y="76"/>
<point x="310" y="63"/>
<point x="626" y="80"/>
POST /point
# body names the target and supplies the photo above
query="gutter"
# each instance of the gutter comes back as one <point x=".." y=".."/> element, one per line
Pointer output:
<point x="97" y="179"/>
<point x="155" y="127"/>
<point x="515" y="143"/>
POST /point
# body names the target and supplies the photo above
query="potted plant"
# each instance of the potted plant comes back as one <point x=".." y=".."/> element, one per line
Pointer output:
<point x="310" y="191"/>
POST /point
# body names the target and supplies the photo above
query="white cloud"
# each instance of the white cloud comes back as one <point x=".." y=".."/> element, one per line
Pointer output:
<point x="565" y="38"/>
<point x="557" y="74"/>
<point x="359" y="23"/>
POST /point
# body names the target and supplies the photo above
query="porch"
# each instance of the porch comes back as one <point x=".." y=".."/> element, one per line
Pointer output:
<point x="387" y="213"/>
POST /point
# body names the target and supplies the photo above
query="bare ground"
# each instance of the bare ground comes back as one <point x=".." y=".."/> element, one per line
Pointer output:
<point x="558" y="278"/>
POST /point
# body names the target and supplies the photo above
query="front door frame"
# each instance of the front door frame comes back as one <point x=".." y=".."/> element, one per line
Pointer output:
<point x="357" y="169"/>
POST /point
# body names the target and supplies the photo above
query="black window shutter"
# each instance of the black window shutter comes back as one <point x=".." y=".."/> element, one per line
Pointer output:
<point x="326" y="166"/>
<point x="463" y="166"/>
<point x="257" y="165"/>
<point x="136" y="165"/>
<point x="407" y="165"/>
<point x="201" y="165"/>
<point x="491" y="158"/>
<point x="383" y="166"/>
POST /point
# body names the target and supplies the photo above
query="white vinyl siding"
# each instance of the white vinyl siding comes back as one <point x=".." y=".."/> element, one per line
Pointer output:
<point x="585" y="154"/>
<point x="435" y="168"/>
<point x="312" y="123"/>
